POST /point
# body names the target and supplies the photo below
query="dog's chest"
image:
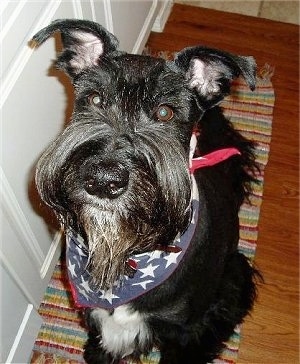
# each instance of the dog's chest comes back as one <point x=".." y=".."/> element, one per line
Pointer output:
<point x="122" y="330"/>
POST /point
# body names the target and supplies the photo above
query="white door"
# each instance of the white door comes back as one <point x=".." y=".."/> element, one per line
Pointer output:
<point x="33" y="111"/>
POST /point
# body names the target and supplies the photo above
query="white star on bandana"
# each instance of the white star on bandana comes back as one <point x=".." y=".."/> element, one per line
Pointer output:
<point x="108" y="295"/>
<point x="143" y="283"/>
<point x="171" y="259"/>
<point x="85" y="285"/>
<point x="71" y="268"/>
<point x="149" y="270"/>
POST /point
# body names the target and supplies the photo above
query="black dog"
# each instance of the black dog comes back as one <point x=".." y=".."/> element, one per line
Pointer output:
<point x="136" y="205"/>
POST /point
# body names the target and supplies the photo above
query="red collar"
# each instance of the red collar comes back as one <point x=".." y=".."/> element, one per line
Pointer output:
<point x="213" y="158"/>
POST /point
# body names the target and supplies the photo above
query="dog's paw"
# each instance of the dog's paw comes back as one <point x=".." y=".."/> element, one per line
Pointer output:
<point x="94" y="354"/>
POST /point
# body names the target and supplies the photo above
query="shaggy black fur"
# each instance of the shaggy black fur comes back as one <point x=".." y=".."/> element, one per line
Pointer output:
<point x="119" y="175"/>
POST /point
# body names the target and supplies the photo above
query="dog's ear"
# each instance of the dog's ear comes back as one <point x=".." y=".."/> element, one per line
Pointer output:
<point x="210" y="72"/>
<point x="84" y="43"/>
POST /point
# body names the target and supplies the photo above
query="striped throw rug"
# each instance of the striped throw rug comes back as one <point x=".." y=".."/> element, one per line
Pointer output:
<point x="62" y="335"/>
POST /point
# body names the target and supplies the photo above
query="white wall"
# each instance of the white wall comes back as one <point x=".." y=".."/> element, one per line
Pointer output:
<point x="33" y="111"/>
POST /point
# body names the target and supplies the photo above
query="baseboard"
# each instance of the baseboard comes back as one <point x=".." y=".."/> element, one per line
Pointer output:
<point x="21" y="349"/>
<point x="52" y="257"/>
<point x="146" y="29"/>
<point x="162" y="16"/>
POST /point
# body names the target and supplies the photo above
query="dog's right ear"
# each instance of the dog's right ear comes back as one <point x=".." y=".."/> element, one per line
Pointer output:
<point x="84" y="43"/>
<point x="210" y="72"/>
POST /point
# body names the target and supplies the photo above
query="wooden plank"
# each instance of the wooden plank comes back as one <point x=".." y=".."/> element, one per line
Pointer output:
<point x="270" y="335"/>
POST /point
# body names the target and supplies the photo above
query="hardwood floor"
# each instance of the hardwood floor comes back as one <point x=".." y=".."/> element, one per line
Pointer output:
<point x="270" y="335"/>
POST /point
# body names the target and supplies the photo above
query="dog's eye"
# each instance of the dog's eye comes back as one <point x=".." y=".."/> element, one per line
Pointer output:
<point x="164" y="113"/>
<point x="94" y="98"/>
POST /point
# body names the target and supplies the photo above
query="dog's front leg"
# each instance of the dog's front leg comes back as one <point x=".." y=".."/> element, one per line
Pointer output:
<point x="93" y="351"/>
<point x="115" y="334"/>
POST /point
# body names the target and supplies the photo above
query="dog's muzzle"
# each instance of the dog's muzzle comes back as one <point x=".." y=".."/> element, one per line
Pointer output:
<point x="105" y="179"/>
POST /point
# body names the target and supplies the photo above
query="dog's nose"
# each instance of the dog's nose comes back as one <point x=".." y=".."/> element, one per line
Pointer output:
<point x="106" y="179"/>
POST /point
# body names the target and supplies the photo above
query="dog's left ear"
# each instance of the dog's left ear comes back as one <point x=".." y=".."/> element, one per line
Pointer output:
<point x="210" y="72"/>
<point x="84" y="43"/>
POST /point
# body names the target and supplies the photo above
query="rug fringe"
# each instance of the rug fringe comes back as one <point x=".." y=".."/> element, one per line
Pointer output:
<point x="266" y="72"/>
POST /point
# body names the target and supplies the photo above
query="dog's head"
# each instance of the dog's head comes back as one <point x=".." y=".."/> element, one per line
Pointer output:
<point x="119" y="173"/>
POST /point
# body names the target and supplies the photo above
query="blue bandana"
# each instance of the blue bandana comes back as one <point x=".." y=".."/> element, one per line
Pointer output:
<point x="152" y="268"/>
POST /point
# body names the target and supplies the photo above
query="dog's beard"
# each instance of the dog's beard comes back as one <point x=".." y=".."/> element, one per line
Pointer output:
<point x="152" y="211"/>
<point x="111" y="240"/>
